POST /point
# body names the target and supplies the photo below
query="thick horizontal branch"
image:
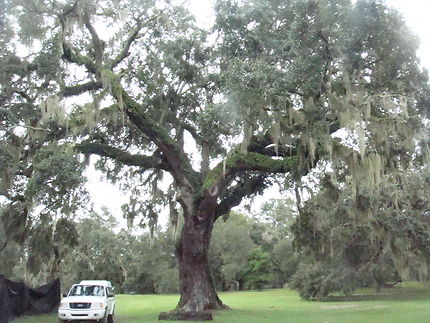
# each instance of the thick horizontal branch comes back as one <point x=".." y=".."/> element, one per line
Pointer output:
<point x="121" y="156"/>
<point x="261" y="163"/>
<point x="264" y="145"/>
<point x="221" y="176"/>
<point x="81" y="88"/>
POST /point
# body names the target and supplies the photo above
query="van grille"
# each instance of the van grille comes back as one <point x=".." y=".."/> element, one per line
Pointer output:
<point x="80" y="306"/>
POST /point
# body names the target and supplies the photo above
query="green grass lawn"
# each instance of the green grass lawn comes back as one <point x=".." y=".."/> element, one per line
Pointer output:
<point x="402" y="304"/>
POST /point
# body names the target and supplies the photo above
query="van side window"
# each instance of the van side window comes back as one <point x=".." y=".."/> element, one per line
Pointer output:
<point x="109" y="291"/>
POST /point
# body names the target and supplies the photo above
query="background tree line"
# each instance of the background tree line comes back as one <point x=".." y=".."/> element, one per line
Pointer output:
<point x="248" y="253"/>
<point x="279" y="246"/>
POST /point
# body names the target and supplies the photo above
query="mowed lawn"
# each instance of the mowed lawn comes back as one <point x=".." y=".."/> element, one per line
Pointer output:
<point x="408" y="303"/>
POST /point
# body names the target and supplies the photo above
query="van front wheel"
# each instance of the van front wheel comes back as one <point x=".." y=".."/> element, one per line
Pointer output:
<point x="105" y="318"/>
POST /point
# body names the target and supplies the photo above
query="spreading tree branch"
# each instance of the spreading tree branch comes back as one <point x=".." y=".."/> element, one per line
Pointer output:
<point x="225" y="171"/>
<point x="70" y="55"/>
<point x="124" y="157"/>
<point x="97" y="42"/>
<point x="234" y="196"/>
<point x="193" y="132"/>
<point x="125" y="51"/>
<point x="179" y="163"/>
<point x="81" y="88"/>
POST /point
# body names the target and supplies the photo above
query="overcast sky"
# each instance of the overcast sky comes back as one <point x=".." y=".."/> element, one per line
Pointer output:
<point x="415" y="12"/>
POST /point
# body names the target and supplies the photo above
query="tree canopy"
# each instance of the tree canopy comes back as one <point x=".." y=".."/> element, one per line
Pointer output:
<point x="276" y="90"/>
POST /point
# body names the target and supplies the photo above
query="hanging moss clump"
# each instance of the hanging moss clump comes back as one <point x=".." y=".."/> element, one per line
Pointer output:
<point x="52" y="109"/>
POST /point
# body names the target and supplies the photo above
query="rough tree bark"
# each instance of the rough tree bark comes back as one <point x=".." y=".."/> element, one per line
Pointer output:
<point x="196" y="285"/>
<point x="198" y="294"/>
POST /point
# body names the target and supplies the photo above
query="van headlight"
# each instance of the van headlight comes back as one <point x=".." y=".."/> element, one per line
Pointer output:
<point x="63" y="305"/>
<point x="99" y="305"/>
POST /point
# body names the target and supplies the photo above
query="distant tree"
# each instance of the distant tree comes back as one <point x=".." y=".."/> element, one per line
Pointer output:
<point x="383" y="236"/>
<point x="280" y="215"/>
<point x="152" y="267"/>
<point x="98" y="252"/>
<point x="262" y="102"/>
<point x="271" y="230"/>
<point x="285" y="261"/>
<point x="229" y="252"/>
<point x="259" y="269"/>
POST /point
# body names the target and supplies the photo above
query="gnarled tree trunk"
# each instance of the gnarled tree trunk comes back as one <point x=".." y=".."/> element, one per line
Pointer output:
<point x="196" y="284"/>
<point x="198" y="294"/>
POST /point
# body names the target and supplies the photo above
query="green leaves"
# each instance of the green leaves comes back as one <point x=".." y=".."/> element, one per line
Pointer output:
<point x="230" y="249"/>
<point x="57" y="181"/>
<point x="259" y="269"/>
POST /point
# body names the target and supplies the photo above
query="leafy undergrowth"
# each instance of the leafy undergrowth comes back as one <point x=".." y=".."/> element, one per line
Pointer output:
<point x="404" y="303"/>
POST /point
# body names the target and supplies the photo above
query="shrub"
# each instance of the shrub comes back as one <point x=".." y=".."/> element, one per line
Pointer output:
<point x="316" y="281"/>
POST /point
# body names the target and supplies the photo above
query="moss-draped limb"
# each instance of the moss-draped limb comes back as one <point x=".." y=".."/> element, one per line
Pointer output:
<point x="80" y="88"/>
<point x="263" y="144"/>
<point x="262" y="163"/>
<point x="179" y="164"/>
<point x="234" y="195"/>
<point x="221" y="175"/>
<point x="125" y="50"/>
<point x="121" y="156"/>
<point x="71" y="55"/>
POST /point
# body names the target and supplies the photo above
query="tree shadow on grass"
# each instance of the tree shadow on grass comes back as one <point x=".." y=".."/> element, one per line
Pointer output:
<point x="390" y="294"/>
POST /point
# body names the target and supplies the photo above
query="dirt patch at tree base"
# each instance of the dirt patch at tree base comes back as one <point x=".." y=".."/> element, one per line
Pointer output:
<point x="185" y="316"/>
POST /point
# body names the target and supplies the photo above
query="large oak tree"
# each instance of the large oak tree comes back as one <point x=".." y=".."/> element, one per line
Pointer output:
<point x="223" y="113"/>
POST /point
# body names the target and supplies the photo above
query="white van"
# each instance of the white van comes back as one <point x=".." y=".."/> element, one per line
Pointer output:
<point x="88" y="300"/>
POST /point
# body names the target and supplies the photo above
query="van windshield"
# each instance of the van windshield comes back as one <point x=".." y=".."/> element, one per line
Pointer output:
<point x="87" y="290"/>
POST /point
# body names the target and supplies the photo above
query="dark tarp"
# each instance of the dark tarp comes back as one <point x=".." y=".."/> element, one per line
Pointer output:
<point x="18" y="299"/>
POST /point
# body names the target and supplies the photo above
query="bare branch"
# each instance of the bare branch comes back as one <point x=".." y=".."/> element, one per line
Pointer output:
<point x="36" y="128"/>
<point x="23" y="94"/>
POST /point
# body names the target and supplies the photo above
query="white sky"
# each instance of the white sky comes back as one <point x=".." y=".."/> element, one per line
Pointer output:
<point x="415" y="13"/>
